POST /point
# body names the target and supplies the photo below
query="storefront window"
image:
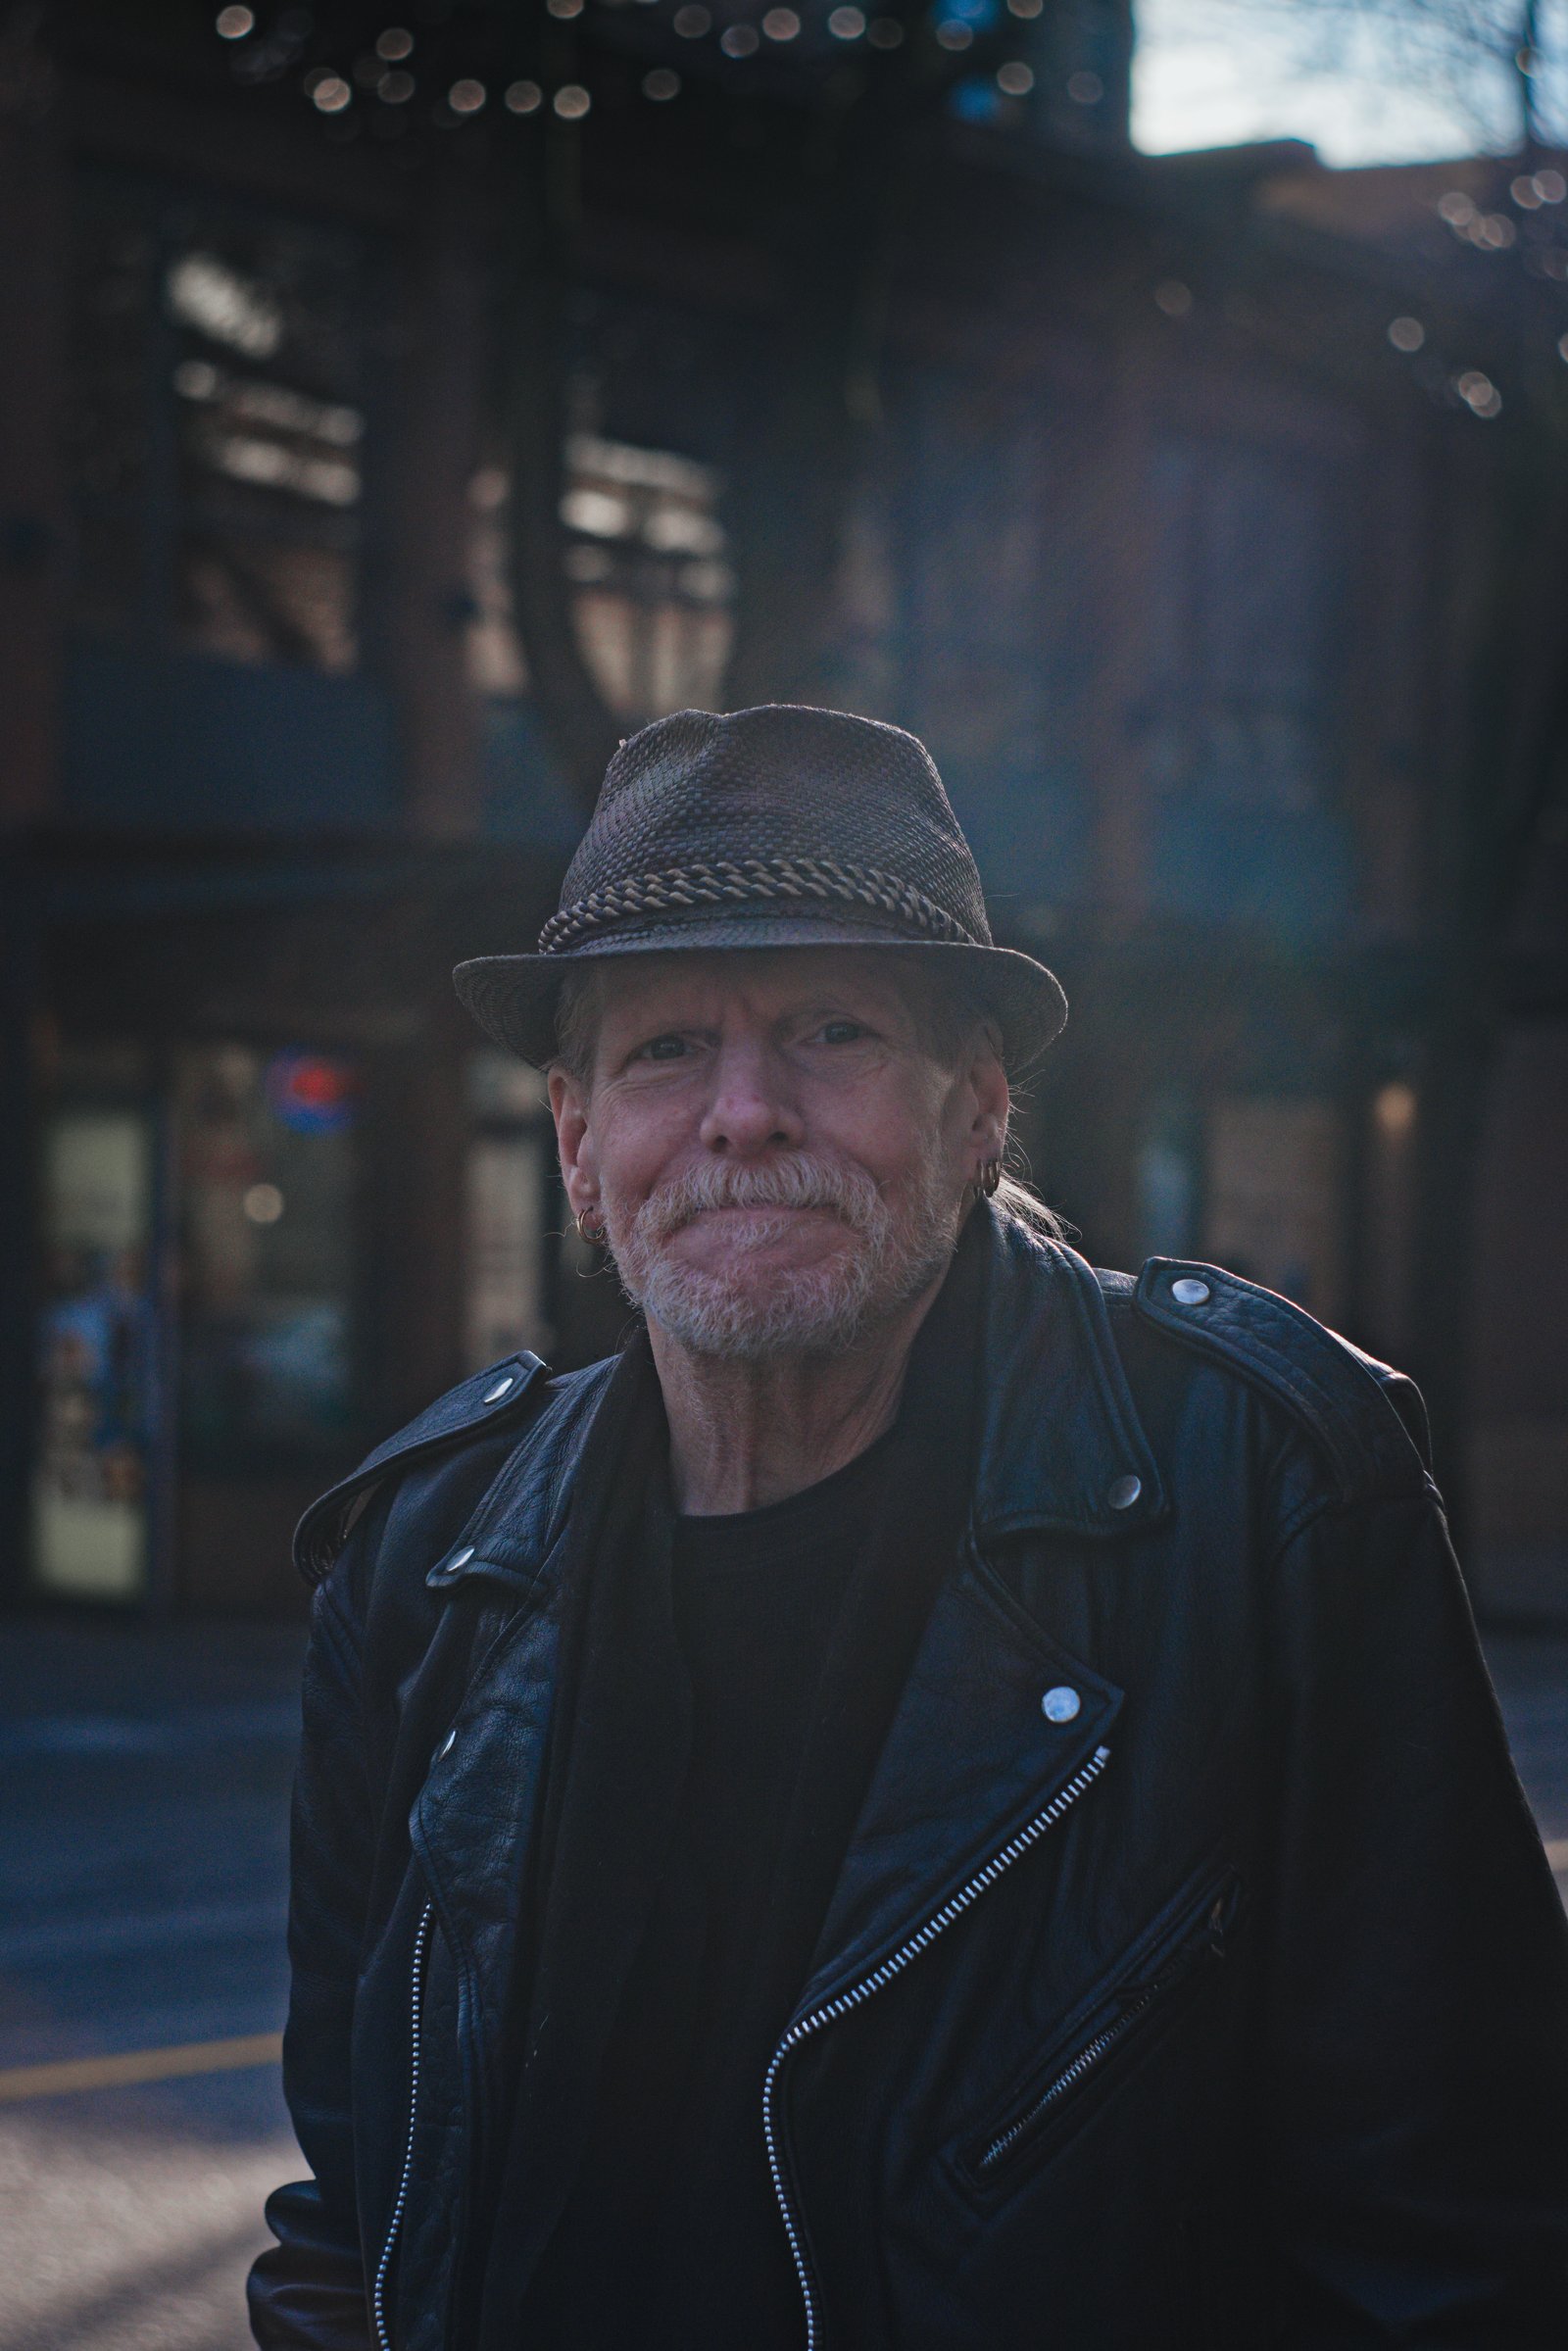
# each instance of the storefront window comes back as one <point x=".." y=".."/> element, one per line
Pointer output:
<point x="1274" y="1187"/>
<point x="90" y="1497"/>
<point x="266" y="1182"/>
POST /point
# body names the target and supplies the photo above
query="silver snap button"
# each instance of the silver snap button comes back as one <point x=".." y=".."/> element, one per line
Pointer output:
<point x="446" y="1746"/>
<point x="493" y="1395"/>
<point x="459" y="1558"/>
<point x="1060" y="1705"/>
<point x="1190" y="1292"/>
<point x="1124" y="1492"/>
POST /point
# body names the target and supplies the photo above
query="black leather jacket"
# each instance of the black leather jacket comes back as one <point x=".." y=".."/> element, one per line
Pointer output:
<point x="1218" y="1997"/>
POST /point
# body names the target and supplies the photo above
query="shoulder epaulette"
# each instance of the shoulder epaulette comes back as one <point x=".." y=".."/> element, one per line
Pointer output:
<point x="489" y="1400"/>
<point x="1367" y="1420"/>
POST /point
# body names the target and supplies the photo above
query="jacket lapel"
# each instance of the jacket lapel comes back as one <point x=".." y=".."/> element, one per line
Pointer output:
<point x="972" y="1758"/>
<point x="544" y="1854"/>
<point x="474" y="1822"/>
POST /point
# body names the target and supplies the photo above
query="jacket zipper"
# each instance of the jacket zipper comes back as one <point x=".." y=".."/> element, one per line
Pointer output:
<point x="860" y="1993"/>
<point x="383" y="2266"/>
<point x="1190" y="1956"/>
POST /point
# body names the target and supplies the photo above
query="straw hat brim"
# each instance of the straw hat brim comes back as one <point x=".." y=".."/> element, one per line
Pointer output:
<point x="514" y="998"/>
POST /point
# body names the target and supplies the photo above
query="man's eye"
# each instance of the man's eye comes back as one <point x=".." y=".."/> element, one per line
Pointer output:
<point x="841" y="1032"/>
<point x="661" y="1048"/>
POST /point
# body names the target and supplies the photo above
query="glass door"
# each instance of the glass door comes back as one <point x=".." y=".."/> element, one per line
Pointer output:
<point x="271" y="1234"/>
<point x="268" y="1229"/>
<point x="91" y="1532"/>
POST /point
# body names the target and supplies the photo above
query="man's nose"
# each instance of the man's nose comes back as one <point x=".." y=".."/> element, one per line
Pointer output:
<point x="752" y="1108"/>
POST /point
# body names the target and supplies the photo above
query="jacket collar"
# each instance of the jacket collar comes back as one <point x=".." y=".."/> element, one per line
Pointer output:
<point x="1060" y="1445"/>
<point x="1062" y="1449"/>
<point x="515" y="1532"/>
<point x="969" y="1775"/>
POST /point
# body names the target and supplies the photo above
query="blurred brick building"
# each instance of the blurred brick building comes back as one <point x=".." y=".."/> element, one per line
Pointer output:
<point x="1184" y="507"/>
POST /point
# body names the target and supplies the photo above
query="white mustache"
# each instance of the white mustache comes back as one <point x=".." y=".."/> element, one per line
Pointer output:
<point x="795" y="1181"/>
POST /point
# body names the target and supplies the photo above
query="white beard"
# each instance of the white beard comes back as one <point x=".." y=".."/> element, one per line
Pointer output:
<point x="815" y="1311"/>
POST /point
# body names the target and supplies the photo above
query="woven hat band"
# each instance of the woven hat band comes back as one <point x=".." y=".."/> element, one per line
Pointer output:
<point x="771" y="881"/>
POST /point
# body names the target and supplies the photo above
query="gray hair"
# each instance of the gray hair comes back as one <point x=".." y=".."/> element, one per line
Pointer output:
<point x="577" y="1011"/>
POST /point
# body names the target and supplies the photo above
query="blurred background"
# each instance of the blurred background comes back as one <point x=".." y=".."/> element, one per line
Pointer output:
<point x="1163" y="410"/>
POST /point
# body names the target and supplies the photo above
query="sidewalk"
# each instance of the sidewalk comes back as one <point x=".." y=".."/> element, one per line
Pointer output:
<point x="144" y="1776"/>
<point x="1531" y="1674"/>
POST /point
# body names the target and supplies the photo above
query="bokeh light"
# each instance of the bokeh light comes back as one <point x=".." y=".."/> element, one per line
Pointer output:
<point x="1479" y="393"/>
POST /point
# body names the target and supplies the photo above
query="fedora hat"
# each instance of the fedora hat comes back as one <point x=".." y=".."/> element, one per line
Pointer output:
<point x="781" y="826"/>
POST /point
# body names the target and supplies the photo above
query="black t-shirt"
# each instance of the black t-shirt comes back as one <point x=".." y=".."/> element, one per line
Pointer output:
<point x="672" y="2235"/>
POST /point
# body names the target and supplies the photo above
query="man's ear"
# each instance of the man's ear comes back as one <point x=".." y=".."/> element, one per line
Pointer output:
<point x="993" y="1099"/>
<point x="579" y="1171"/>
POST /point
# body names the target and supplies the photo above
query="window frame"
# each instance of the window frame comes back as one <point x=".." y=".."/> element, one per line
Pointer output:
<point x="158" y="512"/>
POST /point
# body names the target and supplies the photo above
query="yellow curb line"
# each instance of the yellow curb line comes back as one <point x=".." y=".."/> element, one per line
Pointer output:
<point x="138" y="2065"/>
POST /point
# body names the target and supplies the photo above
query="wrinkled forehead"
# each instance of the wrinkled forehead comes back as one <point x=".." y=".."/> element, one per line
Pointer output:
<point x="766" y="982"/>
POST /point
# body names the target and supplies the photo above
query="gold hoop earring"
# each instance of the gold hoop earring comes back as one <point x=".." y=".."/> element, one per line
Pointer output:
<point x="592" y="1236"/>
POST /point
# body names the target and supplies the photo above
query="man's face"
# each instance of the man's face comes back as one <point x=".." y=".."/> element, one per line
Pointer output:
<point x="776" y="1147"/>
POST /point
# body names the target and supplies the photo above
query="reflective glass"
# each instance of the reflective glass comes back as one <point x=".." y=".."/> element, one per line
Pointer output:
<point x="266" y="1182"/>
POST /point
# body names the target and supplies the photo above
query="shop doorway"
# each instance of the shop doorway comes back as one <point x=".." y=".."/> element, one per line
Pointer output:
<point x="272" y="1378"/>
<point x="201" y="1344"/>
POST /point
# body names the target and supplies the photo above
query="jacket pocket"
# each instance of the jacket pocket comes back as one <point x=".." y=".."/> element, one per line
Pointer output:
<point x="1165" y="1969"/>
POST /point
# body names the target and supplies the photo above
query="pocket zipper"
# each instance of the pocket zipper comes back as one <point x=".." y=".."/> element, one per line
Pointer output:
<point x="383" y="2267"/>
<point x="1140" y="1997"/>
<point x="858" y="1993"/>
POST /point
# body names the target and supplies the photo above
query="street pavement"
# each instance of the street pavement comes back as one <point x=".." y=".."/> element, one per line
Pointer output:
<point x="144" y="1780"/>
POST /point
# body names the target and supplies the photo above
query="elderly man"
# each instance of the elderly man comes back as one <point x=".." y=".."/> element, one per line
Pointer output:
<point x="941" y="1800"/>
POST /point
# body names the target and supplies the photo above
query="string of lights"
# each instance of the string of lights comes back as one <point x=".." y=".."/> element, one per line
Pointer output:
<point x="390" y="73"/>
<point x="408" y="73"/>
